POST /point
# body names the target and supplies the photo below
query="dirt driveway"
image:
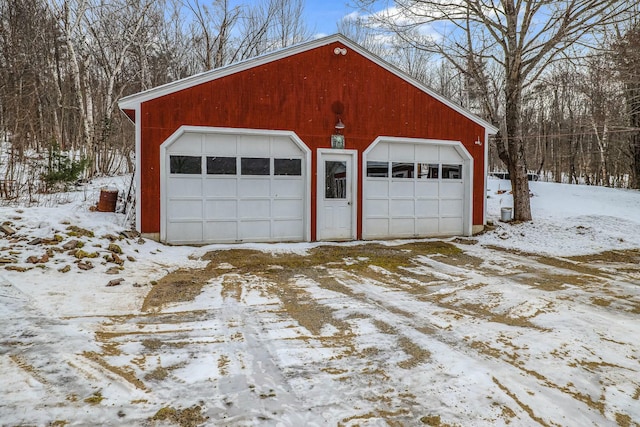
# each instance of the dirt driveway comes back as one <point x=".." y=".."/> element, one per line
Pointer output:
<point x="425" y="333"/>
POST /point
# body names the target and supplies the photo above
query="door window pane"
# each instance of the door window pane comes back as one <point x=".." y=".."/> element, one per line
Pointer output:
<point x="335" y="180"/>
<point x="221" y="165"/>
<point x="451" y="171"/>
<point x="378" y="169"/>
<point x="255" y="166"/>
<point x="291" y="167"/>
<point x="428" y="170"/>
<point x="185" y="164"/>
<point x="402" y="170"/>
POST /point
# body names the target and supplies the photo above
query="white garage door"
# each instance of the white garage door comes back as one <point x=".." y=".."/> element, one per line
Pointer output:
<point x="225" y="187"/>
<point x="416" y="189"/>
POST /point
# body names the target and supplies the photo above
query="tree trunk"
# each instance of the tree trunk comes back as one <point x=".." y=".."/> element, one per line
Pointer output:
<point x="511" y="151"/>
<point x="633" y="95"/>
<point x="80" y="81"/>
<point x="635" y="153"/>
<point x="88" y="120"/>
<point x="603" y="142"/>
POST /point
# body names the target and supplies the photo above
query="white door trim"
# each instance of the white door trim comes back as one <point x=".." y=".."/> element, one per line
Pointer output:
<point x="238" y="131"/>
<point x="353" y="185"/>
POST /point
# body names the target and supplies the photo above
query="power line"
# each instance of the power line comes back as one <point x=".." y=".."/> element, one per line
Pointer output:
<point x="583" y="133"/>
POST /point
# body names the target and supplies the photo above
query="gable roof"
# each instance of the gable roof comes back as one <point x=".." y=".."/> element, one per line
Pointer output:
<point x="131" y="102"/>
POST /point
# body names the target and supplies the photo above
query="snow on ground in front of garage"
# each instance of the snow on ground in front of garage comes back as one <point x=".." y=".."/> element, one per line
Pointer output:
<point x="513" y="339"/>
<point x="567" y="219"/>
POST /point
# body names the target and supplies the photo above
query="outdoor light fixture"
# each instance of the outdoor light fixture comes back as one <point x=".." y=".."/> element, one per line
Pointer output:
<point x="337" y="139"/>
<point x="478" y="142"/>
<point x="340" y="51"/>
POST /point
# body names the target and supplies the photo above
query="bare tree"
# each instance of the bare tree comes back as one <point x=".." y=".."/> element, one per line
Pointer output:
<point x="571" y="119"/>
<point x="288" y="27"/>
<point x="222" y="34"/>
<point x="602" y="100"/>
<point x="28" y="113"/>
<point x="626" y="52"/>
<point x="164" y="51"/>
<point x="30" y="103"/>
<point x="521" y="37"/>
<point x="99" y="41"/>
<point x="554" y="107"/>
<point x="71" y="17"/>
<point x="269" y="25"/>
<point x="356" y="28"/>
<point x="114" y="28"/>
<point x="211" y="30"/>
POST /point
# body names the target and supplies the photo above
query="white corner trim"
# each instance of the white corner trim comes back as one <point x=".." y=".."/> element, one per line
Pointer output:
<point x="138" y="170"/>
<point x="486" y="176"/>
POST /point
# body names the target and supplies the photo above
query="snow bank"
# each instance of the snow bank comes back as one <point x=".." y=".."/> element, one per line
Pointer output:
<point x="567" y="219"/>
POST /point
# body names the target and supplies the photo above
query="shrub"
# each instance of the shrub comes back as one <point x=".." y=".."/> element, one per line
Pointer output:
<point x="61" y="169"/>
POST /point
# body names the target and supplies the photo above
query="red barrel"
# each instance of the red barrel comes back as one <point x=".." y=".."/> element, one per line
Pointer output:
<point x="108" y="200"/>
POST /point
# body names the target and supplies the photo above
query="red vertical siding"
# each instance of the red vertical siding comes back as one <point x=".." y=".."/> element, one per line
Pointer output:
<point x="297" y="93"/>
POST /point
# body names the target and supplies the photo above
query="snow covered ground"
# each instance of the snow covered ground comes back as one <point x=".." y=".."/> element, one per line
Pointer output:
<point x="568" y="219"/>
<point x="527" y="324"/>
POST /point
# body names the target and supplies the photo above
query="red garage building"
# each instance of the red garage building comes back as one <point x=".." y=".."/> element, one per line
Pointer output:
<point x="320" y="141"/>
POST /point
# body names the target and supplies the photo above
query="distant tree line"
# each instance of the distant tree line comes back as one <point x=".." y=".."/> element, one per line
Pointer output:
<point x="64" y="64"/>
<point x="566" y="95"/>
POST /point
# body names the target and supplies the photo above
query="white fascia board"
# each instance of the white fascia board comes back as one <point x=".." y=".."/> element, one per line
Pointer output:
<point x="491" y="129"/>
<point x="131" y="101"/>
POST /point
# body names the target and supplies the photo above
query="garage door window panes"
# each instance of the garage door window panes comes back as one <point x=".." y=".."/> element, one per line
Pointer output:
<point x="428" y="170"/>
<point x="185" y="165"/>
<point x="451" y="171"/>
<point x="402" y="170"/>
<point x="255" y="166"/>
<point x="221" y="165"/>
<point x="287" y="167"/>
<point x="378" y="169"/>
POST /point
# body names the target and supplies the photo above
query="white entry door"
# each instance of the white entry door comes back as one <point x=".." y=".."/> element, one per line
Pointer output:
<point x="336" y="195"/>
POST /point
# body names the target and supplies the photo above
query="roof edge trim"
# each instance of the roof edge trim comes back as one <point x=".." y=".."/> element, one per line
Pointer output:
<point x="134" y="100"/>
